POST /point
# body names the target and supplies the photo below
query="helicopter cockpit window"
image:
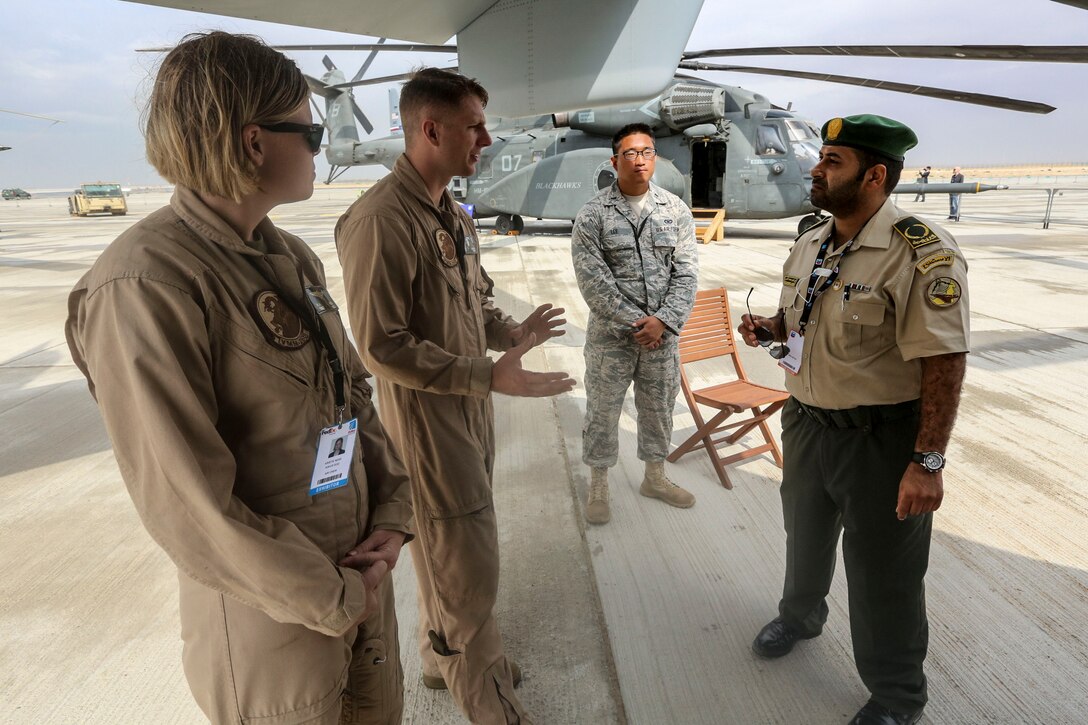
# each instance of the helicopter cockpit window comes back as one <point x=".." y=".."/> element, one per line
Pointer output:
<point x="799" y="130"/>
<point x="770" y="141"/>
<point x="483" y="167"/>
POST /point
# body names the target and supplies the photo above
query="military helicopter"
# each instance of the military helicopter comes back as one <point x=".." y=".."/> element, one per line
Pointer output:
<point x="719" y="146"/>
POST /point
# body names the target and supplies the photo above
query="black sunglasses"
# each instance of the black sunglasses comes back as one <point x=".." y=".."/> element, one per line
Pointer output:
<point x="764" y="336"/>
<point x="313" y="132"/>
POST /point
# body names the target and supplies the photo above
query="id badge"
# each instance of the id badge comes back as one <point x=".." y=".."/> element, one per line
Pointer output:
<point x="792" y="362"/>
<point x="335" y="448"/>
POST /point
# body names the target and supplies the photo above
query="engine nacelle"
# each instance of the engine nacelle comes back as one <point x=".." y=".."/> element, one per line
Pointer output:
<point x="688" y="104"/>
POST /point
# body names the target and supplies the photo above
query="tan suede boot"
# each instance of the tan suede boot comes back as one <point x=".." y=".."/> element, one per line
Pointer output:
<point x="657" y="485"/>
<point x="597" y="501"/>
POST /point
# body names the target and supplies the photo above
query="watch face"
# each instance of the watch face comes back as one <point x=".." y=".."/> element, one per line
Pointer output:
<point x="933" y="461"/>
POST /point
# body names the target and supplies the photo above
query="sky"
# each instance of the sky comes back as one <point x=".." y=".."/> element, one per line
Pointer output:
<point x="76" y="60"/>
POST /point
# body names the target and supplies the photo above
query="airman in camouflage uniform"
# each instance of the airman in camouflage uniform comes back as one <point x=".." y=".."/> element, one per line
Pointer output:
<point x="634" y="255"/>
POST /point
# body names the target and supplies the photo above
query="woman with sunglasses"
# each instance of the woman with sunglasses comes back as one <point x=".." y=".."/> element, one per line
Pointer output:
<point x="224" y="377"/>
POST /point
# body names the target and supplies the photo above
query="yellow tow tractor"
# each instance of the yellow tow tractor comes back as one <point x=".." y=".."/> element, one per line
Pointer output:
<point x="97" y="198"/>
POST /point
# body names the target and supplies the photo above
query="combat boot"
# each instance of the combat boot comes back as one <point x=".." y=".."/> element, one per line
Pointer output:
<point x="597" y="501"/>
<point x="657" y="485"/>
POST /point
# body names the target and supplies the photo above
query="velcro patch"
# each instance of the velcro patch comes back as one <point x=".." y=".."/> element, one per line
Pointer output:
<point x="277" y="321"/>
<point x="916" y="232"/>
<point x="944" y="292"/>
<point x="940" y="258"/>
<point x="790" y="281"/>
<point x="447" y="250"/>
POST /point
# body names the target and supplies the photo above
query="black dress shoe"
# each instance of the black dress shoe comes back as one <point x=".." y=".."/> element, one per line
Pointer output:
<point x="776" y="639"/>
<point x="876" y="714"/>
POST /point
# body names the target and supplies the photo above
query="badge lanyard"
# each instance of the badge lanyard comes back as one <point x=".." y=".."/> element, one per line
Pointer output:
<point x="818" y="273"/>
<point x="315" y="325"/>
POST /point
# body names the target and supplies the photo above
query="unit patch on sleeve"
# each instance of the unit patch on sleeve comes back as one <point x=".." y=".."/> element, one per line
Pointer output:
<point x="944" y="292"/>
<point x="790" y="281"/>
<point x="940" y="258"/>
<point x="916" y="232"/>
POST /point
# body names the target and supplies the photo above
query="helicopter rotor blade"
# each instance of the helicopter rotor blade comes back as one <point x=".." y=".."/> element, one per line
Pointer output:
<point x="1082" y="4"/>
<point x="396" y="47"/>
<point x="369" y="59"/>
<point x="1018" y="53"/>
<point x="327" y="62"/>
<point x="361" y="117"/>
<point x="376" y="81"/>
<point x="978" y="99"/>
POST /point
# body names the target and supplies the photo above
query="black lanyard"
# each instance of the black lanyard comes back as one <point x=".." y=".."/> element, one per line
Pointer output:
<point x="311" y="319"/>
<point x="812" y="294"/>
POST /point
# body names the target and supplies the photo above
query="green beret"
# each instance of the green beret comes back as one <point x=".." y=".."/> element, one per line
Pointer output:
<point x="870" y="133"/>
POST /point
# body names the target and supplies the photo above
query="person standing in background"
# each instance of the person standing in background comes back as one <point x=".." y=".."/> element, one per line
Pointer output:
<point x="954" y="199"/>
<point x="923" y="178"/>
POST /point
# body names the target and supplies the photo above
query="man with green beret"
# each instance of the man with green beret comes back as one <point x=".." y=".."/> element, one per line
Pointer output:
<point x="872" y="330"/>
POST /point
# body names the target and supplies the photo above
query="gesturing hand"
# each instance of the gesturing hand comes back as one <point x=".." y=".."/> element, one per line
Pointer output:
<point x="542" y="323"/>
<point x="509" y="378"/>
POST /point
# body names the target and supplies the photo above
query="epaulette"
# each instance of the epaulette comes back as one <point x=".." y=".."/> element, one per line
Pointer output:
<point x="817" y="225"/>
<point x="916" y="232"/>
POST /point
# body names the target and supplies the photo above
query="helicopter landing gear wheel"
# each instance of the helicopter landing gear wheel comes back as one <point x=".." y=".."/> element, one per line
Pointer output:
<point x="808" y="221"/>
<point x="519" y="224"/>
<point x="504" y="224"/>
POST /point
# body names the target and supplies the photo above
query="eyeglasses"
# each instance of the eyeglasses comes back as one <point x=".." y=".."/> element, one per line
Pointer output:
<point x="631" y="154"/>
<point x="764" y="336"/>
<point x="313" y="132"/>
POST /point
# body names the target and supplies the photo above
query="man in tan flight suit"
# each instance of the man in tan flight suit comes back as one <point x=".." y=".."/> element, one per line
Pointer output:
<point x="419" y="303"/>
<point x="874" y="318"/>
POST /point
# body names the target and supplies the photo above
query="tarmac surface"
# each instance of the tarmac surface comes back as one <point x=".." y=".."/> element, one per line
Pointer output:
<point x="649" y="618"/>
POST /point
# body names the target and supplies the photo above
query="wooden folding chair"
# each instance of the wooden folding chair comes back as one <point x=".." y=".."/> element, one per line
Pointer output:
<point x="708" y="334"/>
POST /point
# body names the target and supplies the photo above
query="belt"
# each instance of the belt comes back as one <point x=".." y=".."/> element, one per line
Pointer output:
<point x="863" y="416"/>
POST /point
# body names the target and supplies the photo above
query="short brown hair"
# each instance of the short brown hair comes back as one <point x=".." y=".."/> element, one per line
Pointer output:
<point x="207" y="89"/>
<point x="435" y="88"/>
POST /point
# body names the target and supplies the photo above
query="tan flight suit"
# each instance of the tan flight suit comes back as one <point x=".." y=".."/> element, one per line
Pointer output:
<point x="423" y="320"/>
<point x="849" y="430"/>
<point x="214" y="395"/>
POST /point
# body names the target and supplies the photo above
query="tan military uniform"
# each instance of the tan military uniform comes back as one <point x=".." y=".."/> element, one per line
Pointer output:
<point x="423" y="318"/>
<point x="214" y="394"/>
<point x="867" y="334"/>
<point x="849" y="431"/>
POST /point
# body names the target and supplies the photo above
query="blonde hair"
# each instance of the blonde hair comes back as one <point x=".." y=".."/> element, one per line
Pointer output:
<point x="207" y="89"/>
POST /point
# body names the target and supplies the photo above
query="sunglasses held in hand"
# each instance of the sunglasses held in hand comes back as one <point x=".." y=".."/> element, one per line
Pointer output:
<point x="763" y="335"/>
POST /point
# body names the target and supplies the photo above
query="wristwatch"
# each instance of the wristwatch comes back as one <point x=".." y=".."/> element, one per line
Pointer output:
<point x="932" y="461"/>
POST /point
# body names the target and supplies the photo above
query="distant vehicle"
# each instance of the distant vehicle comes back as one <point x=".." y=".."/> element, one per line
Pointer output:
<point x="97" y="198"/>
<point x="15" y="194"/>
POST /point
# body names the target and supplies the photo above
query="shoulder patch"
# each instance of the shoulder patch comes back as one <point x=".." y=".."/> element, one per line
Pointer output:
<point x="940" y="258"/>
<point x="944" y="292"/>
<point x="916" y="232"/>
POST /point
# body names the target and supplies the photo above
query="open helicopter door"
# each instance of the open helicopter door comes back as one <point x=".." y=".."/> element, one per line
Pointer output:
<point x="708" y="174"/>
